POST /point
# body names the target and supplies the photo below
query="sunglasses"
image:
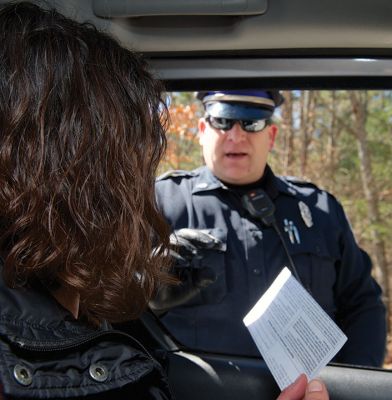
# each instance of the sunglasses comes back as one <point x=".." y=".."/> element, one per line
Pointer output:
<point x="225" y="124"/>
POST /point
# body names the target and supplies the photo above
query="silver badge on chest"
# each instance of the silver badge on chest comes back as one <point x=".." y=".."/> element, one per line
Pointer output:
<point x="306" y="214"/>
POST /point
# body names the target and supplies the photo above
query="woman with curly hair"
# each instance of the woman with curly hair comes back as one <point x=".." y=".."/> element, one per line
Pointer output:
<point x="82" y="245"/>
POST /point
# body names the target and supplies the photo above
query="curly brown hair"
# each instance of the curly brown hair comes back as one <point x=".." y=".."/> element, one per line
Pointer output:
<point x="82" y="127"/>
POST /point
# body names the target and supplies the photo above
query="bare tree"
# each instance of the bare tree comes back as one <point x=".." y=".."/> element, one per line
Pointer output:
<point x="359" y="101"/>
<point x="332" y="148"/>
<point x="308" y="123"/>
<point x="288" y="133"/>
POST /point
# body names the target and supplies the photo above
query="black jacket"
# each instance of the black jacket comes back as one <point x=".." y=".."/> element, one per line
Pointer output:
<point x="45" y="353"/>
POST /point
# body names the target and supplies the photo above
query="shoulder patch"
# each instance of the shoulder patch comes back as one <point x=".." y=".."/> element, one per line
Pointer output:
<point x="174" y="173"/>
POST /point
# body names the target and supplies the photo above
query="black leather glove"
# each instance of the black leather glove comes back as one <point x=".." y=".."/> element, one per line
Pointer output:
<point x="189" y="247"/>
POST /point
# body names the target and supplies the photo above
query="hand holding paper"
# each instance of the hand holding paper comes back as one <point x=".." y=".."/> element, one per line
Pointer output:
<point x="292" y="332"/>
<point x="302" y="390"/>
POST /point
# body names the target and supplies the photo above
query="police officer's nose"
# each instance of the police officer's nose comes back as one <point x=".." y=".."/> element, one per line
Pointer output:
<point x="236" y="133"/>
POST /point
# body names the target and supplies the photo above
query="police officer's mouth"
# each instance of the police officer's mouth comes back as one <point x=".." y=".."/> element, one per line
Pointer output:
<point x="235" y="155"/>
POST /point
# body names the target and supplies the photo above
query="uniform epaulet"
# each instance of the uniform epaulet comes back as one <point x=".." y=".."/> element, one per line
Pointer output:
<point x="174" y="173"/>
<point x="299" y="182"/>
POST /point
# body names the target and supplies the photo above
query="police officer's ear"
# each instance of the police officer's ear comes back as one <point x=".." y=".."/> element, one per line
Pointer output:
<point x="202" y="127"/>
<point x="272" y="132"/>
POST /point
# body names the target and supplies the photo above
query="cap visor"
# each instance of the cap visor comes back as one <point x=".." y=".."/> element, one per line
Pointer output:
<point x="237" y="111"/>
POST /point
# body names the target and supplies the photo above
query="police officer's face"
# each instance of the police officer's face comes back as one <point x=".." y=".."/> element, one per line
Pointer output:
<point x="235" y="156"/>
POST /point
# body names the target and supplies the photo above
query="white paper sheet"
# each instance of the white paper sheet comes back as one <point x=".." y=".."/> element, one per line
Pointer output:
<point x="292" y="332"/>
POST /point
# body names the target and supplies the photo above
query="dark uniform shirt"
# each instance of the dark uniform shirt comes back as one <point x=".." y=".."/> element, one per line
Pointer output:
<point x="326" y="256"/>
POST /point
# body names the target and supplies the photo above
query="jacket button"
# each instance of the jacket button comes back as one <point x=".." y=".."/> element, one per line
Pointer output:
<point x="23" y="375"/>
<point x="98" y="372"/>
<point x="257" y="271"/>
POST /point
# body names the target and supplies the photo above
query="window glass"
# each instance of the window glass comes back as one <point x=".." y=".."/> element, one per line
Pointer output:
<point x="340" y="141"/>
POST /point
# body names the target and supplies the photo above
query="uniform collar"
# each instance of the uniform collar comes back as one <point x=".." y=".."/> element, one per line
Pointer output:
<point x="206" y="181"/>
<point x="273" y="185"/>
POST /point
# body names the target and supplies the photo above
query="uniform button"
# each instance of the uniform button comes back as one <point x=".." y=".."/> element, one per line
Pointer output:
<point x="257" y="271"/>
<point x="98" y="372"/>
<point x="23" y="375"/>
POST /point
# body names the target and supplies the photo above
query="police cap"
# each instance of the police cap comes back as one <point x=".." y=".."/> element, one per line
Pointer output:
<point x="241" y="104"/>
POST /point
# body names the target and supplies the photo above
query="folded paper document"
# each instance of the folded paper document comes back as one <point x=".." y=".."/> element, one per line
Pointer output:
<point x="292" y="332"/>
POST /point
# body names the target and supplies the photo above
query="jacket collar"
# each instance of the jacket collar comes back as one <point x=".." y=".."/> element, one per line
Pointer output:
<point x="32" y="314"/>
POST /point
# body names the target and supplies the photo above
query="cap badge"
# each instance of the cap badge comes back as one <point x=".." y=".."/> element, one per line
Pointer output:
<point x="306" y="214"/>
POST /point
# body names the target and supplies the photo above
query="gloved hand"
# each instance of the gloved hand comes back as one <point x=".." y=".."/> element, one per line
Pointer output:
<point x="189" y="247"/>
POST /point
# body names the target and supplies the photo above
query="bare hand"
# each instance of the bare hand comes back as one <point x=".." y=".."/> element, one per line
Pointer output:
<point x="302" y="390"/>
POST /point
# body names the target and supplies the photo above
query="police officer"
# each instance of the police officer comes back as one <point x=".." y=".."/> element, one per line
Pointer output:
<point x="236" y="135"/>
